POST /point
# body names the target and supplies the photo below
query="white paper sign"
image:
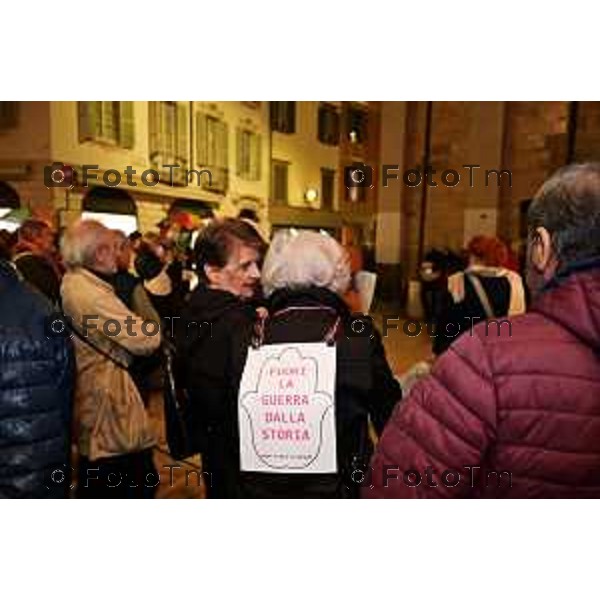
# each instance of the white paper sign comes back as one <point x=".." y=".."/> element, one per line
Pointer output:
<point x="286" y="409"/>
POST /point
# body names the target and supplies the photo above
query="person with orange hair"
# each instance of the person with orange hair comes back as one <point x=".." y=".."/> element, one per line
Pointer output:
<point x="486" y="289"/>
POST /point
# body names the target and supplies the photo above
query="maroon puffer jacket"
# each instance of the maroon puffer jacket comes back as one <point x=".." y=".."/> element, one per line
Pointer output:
<point x="505" y="416"/>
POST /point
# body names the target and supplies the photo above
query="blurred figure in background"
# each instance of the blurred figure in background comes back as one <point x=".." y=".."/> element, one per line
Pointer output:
<point x="435" y="269"/>
<point x="131" y="291"/>
<point x="356" y="263"/>
<point x="130" y="288"/>
<point x="35" y="258"/>
<point x="7" y="242"/>
<point x="162" y="277"/>
<point x="484" y="290"/>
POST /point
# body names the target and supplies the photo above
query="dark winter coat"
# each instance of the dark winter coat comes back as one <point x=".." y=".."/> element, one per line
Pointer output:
<point x="365" y="387"/>
<point x="36" y="388"/>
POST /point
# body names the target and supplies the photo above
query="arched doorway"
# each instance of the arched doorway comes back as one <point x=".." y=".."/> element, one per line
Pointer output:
<point x="113" y="207"/>
<point x="10" y="205"/>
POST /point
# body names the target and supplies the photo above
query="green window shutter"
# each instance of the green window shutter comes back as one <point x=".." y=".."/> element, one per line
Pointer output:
<point x="239" y="163"/>
<point x="108" y="122"/>
<point x="183" y="147"/>
<point x="256" y="156"/>
<point x="90" y="115"/>
<point x="126" y="125"/>
<point x="223" y="152"/>
<point x="154" y="128"/>
<point x="201" y="140"/>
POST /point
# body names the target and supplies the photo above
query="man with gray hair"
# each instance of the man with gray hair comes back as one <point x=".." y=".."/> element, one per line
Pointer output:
<point x="113" y="432"/>
<point x="515" y="411"/>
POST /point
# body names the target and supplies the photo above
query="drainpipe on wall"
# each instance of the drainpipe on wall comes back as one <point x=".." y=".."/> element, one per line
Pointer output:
<point x="424" y="189"/>
<point x="572" y="131"/>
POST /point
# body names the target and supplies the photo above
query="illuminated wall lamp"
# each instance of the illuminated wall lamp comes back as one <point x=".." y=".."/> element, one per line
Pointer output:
<point x="310" y="196"/>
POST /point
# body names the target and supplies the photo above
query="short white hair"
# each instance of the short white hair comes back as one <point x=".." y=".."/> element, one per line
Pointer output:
<point x="81" y="241"/>
<point x="305" y="258"/>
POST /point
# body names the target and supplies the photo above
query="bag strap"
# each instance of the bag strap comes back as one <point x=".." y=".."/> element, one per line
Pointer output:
<point x="483" y="297"/>
<point x="103" y="353"/>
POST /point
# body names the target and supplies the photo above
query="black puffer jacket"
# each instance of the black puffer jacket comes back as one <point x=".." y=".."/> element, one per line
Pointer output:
<point x="36" y="383"/>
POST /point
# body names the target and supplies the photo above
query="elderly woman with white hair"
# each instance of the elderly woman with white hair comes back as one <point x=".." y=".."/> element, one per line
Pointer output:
<point x="305" y="275"/>
<point x="113" y="432"/>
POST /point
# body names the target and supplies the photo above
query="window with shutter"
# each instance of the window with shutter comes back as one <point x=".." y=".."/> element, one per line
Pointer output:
<point x="279" y="192"/>
<point x="357" y="125"/>
<point x="89" y="121"/>
<point x="9" y="115"/>
<point x="327" y="188"/>
<point x="248" y="154"/>
<point x="127" y="125"/>
<point x="256" y="153"/>
<point x="182" y="140"/>
<point x="328" y="124"/>
<point x="283" y="116"/>
<point x="154" y="129"/>
<point x="169" y="133"/>
<point x="169" y="139"/>
<point x="212" y="151"/>
<point x="109" y="122"/>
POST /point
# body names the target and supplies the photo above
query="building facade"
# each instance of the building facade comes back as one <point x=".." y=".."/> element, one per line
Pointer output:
<point x="282" y="161"/>
<point x="287" y="163"/>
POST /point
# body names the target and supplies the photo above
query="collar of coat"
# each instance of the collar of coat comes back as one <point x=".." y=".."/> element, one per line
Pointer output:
<point x="575" y="267"/>
<point x="97" y="279"/>
<point x="307" y="296"/>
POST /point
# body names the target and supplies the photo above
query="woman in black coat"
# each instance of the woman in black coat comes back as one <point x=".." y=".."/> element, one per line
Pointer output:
<point x="305" y="276"/>
<point x="212" y="340"/>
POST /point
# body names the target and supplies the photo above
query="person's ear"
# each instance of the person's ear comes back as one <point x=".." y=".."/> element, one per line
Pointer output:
<point x="542" y="254"/>
<point x="213" y="274"/>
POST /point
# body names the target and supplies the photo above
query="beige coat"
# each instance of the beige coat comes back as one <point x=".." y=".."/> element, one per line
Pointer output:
<point x="110" y="418"/>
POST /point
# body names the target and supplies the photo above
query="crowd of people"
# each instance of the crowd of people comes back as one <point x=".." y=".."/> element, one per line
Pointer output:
<point x="522" y="401"/>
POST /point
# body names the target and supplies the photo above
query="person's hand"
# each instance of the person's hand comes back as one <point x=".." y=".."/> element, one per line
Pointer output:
<point x="148" y="265"/>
